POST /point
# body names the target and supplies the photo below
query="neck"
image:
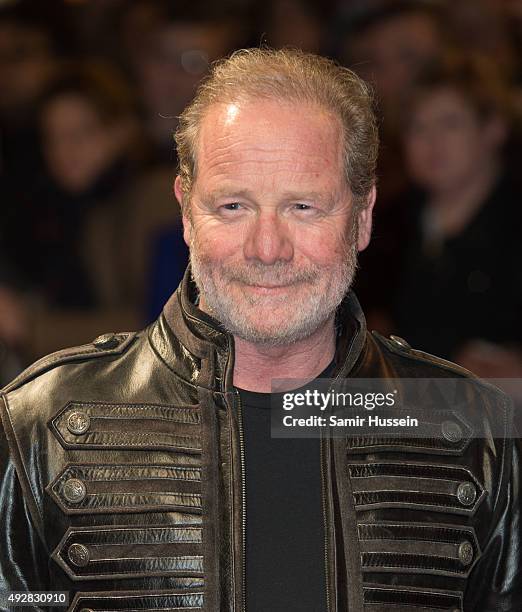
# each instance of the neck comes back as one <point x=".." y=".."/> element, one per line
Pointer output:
<point x="256" y="365"/>
<point x="456" y="206"/>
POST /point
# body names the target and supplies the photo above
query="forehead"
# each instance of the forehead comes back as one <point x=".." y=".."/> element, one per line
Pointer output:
<point x="440" y="101"/>
<point x="269" y="138"/>
<point x="69" y="109"/>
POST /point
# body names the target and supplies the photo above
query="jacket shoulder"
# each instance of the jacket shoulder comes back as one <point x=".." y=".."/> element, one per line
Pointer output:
<point x="108" y="344"/>
<point x="412" y="363"/>
<point x="400" y="347"/>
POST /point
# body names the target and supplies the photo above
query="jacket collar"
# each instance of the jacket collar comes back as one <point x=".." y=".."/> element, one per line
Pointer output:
<point x="184" y="337"/>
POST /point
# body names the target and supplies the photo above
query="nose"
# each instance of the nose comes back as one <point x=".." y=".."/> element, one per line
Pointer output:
<point x="268" y="239"/>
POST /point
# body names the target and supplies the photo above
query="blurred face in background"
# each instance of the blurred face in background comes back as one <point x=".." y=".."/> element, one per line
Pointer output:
<point x="290" y="23"/>
<point x="26" y="64"/>
<point x="176" y="57"/>
<point x="78" y="145"/>
<point x="391" y="54"/>
<point x="447" y="144"/>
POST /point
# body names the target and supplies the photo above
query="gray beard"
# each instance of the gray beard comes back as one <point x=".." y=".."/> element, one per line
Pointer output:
<point x="305" y="318"/>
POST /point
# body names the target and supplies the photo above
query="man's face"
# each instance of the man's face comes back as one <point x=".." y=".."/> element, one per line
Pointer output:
<point x="272" y="230"/>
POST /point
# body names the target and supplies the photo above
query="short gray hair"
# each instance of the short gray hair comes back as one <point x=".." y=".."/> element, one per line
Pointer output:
<point x="294" y="76"/>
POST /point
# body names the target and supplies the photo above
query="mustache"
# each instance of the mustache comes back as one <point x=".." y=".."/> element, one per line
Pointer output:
<point x="278" y="273"/>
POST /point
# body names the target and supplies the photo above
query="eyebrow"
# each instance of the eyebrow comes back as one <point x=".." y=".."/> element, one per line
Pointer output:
<point x="306" y="195"/>
<point x="229" y="193"/>
<point x="247" y="194"/>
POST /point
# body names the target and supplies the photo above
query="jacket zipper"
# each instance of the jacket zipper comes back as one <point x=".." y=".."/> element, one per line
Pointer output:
<point x="325" y="525"/>
<point x="243" y="511"/>
<point x="243" y="501"/>
<point x="323" y="457"/>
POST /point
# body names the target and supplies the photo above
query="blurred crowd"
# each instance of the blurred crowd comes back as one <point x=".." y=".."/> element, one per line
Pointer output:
<point x="90" y="232"/>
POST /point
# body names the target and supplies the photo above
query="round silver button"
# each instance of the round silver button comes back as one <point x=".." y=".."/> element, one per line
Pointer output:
<point x="451" y="431"/>
<point x="465" y="553"/>
<point x="400" y="342"/>
<point x="466" y="493"/>
<point x="74" y="490"/>
<point x="78" y="554"/>
<point x="106" y="341"/>
<point x="78" y="422"/>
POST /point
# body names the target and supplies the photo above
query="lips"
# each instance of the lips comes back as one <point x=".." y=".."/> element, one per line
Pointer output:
<point x="267" y="291"/>
<point x="268" y="286"/>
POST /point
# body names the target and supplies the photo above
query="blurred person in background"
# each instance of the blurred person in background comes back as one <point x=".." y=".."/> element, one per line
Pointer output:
<point x="388" y="44"/>
<point x="177" y="45"/>
<point x="175" y="55"/>
<point x="30" y="42"/>
<point x="460" y="293"/>
<point x="513" y="10"/>
<point x="73" y="217"/>
<point x="492" y="29"/>
<point x="485" y="27"/>
<point x="294" y="23"/>
<point x="133" y="23"/>
<point x="28" y="60"/>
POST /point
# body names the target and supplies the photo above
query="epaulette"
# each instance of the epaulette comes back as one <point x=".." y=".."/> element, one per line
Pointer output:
<point x="104" y="345"/>
<point x="399" y="346"/>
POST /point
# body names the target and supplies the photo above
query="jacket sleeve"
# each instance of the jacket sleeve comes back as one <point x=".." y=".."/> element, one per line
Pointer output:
<point x="23" y="558"/>
<point x="495" y="584"/>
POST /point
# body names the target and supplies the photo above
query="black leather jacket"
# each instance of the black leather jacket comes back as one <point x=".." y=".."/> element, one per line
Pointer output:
<point x="121" y="481"/>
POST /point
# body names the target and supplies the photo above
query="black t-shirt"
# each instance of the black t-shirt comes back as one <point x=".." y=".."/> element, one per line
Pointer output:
<point x="285" y="557"/>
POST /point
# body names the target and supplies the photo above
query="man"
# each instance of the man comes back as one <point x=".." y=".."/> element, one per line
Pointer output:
<point x="132" y="473"/>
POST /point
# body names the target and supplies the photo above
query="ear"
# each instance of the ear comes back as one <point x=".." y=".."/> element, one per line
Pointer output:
<point x="365" y="221"/>
<point x="187" y="224"/>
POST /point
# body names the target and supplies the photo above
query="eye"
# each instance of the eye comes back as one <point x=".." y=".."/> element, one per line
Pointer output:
<point x="232" y="206"/>
<point x="305" y="212"/>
